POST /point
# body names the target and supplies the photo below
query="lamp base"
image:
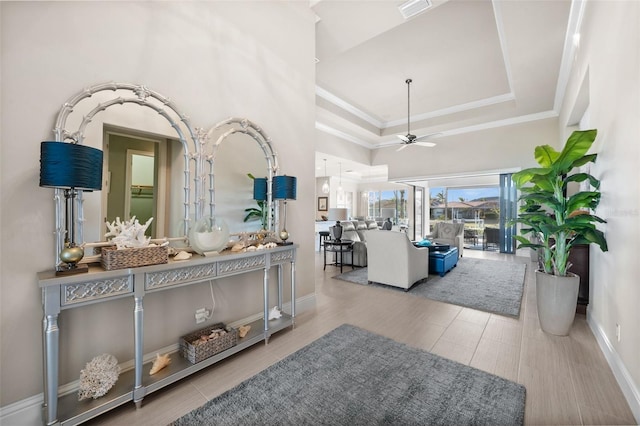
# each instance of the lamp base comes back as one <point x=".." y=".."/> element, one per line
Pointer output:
<point x="68" y="269"/>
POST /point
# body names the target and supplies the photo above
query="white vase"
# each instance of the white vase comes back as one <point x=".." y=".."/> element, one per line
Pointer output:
<point x="556" y="299"/>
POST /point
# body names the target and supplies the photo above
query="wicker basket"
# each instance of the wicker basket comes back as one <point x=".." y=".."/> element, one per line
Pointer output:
<point x="133" y="257"/>
<point x="195" y="351"/>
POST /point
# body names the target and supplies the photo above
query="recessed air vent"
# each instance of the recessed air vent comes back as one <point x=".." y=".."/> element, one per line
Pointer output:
<point x="413" y="7"/>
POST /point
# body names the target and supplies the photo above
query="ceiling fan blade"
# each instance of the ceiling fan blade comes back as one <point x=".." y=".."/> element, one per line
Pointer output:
<point x="428" y="144"/>
<point x="403" y="138"/>
<point x="402" y="147"/>
<point x="430" y="135"/>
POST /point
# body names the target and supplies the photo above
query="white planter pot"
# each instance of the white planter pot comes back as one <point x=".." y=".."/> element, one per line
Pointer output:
<point x="556" y="298"/>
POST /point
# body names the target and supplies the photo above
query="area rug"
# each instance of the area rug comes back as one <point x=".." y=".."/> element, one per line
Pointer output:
<point x="354" y="377"/>
<point x="487" y="285"/>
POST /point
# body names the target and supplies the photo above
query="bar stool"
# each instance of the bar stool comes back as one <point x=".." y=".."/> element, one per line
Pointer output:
<point x="324" y="235"/>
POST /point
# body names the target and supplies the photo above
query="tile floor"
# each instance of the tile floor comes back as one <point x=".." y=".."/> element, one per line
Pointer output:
<point x="568" y="380"/>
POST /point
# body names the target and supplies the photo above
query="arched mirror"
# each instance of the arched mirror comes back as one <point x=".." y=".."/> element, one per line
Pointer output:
<point x="131" y="124"/>
<point x="238" y="150"/>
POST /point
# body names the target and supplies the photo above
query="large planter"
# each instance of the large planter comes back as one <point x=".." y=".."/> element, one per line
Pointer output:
<point x="556" y="299"/>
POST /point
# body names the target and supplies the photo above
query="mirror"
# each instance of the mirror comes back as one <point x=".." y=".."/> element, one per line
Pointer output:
<point x="100" y="114"/>
<point x="237" y="156"/>
<point x="235" y="148"/>
<point x="184" y="186"/>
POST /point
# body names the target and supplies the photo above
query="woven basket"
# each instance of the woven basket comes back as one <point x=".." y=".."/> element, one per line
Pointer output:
<point x="196" y="352"/>
<point x="133" y="257"/>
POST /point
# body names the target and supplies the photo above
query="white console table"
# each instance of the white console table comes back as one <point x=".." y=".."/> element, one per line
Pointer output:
<point x="96" y="286"/>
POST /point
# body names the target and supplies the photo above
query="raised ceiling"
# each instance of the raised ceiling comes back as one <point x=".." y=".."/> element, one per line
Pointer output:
<point x="474" y="64"/>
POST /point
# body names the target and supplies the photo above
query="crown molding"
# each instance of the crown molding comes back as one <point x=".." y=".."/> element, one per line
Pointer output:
<point x="330" y="97"/>
<point x="342" y="135"/>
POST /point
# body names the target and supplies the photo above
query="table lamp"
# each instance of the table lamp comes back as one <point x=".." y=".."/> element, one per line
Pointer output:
<point x="284" y="188"/>
<point x="70" y="167"/>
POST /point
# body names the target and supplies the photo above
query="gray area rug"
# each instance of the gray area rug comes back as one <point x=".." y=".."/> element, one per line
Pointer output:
<point x="487" y="285"/>
<point x="353" y="377"/>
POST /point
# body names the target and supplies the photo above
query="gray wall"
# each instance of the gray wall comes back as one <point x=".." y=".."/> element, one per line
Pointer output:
<point x="214" y="60"/>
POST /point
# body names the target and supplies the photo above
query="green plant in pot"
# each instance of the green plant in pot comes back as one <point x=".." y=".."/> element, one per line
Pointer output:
<point x="259" y="213"/>
<point x="557" y="222"/>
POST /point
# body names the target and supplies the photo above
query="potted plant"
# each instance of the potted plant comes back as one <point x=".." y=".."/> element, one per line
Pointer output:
<point x="558" y="222"/>
<point x="260" y="212"/>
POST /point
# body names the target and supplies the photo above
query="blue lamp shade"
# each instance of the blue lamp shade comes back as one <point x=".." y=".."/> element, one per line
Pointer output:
<point x="68" y="165"/>
<point x="284" y="187"/>
<point x="260" y="189"/>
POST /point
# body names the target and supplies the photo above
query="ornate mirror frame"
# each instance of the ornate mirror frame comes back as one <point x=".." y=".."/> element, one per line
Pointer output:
<point x="209" y="149"/>
<point x="202" y="151"/>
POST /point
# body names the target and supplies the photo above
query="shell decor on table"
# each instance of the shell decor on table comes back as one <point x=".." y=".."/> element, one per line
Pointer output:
<point x="129" y="234"/>
<point x="243" y="330"/>
<point x="182" y="255"/>
<point x="274" y="313"/>
<point x="98" y="376"/>
<point x="159" y="363"/>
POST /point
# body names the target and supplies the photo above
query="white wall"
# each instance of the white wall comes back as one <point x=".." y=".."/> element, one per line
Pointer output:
<point x="485" y="150"/>
<point x="214" y="60"/>
<point x="609" y="54"/>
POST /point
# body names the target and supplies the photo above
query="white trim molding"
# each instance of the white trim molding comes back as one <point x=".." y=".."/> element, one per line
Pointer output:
<point x="623" y="377"/>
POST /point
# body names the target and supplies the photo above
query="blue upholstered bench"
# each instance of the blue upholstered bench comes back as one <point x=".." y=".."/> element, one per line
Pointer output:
<point x="441" y="262"/>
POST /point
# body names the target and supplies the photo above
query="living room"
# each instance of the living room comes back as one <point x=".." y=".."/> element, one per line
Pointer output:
<point x="231" y="59"/>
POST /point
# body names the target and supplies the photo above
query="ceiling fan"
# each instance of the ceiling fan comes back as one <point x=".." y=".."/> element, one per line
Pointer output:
<point x="410" y="139"/>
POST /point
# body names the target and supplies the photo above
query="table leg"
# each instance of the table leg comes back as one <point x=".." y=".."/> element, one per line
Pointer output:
<point x="51" y="340"/>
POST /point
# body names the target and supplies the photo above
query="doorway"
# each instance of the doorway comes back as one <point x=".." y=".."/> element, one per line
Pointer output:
<point x="135" y="179"/>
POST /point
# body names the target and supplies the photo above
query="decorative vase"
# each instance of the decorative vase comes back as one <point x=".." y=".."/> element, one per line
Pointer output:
<point x="337" y="231"/>
<point x="556" y="299"/>
<point x="209" y="235"/>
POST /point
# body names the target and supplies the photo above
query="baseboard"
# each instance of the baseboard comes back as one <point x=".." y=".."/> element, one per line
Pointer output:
<point x="627" y="385"/>
<point x="28" y="412"/>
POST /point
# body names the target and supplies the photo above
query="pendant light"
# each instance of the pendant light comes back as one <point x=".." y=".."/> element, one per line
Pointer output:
<point x="325" y="185"/>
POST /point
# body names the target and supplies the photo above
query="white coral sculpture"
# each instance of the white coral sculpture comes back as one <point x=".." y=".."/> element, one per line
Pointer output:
<point x="128" y="234"/>
<point x="98" y="376"/>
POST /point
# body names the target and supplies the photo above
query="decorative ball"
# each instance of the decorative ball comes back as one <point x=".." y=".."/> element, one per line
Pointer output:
<point x="284" y="235"/>
<point x="72" y="255"/>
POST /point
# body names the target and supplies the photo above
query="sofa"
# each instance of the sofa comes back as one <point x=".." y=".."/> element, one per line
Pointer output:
<point x="448" y="233"/>
<point x="356" y="231"/>
<point x="394" y="260"/>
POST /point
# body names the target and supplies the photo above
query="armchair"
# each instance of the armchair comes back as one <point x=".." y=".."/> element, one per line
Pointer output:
<point x="394" y="260"/>
<point x="448" y="233"/>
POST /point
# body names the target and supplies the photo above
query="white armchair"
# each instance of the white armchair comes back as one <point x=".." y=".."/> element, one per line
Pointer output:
<point x="448" y="233"/>
<point x="394" y="260"/>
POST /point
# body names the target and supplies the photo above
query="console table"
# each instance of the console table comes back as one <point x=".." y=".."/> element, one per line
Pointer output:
<point x="96" y="286"/>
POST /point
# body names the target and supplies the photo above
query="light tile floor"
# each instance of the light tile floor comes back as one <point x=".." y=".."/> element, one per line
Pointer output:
<point x="568" y="380"/>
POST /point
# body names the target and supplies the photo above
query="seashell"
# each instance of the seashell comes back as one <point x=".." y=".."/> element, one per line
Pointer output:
<point x="251" y="248"/>
<point x="260" y="247"/>
<point x="237" y="247"/>
<point x="160" y="363"/>
<point x="274" y="313"/>
<point x="243" y="330"/>
<point x="183" y="255"/>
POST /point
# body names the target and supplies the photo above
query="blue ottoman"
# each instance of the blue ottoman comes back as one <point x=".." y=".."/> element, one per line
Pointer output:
<point x="441" y="262"/>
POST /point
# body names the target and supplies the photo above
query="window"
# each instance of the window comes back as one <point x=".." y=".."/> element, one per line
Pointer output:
<point x="392" y="204"/>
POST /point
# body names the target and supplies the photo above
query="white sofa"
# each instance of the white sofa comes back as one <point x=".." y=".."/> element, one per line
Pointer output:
<point x="394" y="260"/>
